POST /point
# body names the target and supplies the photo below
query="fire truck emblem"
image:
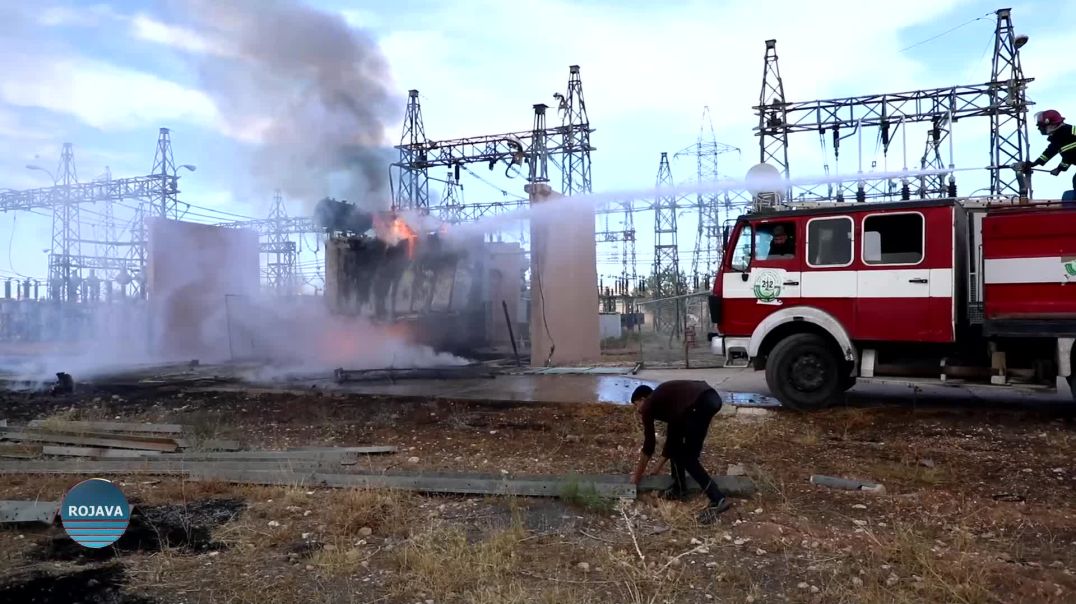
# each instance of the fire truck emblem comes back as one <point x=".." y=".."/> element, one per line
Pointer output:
<point x="767" y="287"/>
<point x="1070" y="268"/>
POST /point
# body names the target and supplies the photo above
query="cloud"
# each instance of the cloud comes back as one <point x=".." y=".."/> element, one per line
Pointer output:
<point x="100" y="94"/>
<point x="146" y="28"/>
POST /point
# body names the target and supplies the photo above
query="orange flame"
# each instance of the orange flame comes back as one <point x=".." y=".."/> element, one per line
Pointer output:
<point x="393" y="229"/>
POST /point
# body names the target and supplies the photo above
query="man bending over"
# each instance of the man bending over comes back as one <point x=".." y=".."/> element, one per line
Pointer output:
<point x="687" y="407"/>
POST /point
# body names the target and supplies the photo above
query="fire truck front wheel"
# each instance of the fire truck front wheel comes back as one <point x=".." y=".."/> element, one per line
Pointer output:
<point x="804" y="372"/>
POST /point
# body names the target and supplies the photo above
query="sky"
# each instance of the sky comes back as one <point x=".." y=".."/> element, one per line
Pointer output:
<point x="232" y="81"/>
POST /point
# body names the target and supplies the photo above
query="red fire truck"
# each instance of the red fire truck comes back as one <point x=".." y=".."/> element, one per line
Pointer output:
<point x="944" y="290"/>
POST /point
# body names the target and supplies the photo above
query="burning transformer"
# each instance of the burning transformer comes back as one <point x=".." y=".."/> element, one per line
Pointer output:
<point x="443" y="289"/>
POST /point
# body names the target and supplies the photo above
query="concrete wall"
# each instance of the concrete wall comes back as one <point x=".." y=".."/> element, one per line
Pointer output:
<point x="193" y="270"/>
<point x="564" y="279"/>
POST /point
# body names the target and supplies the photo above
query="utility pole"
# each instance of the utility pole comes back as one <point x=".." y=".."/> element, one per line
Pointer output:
<point x="413" y="190"/>
<point x="666" y="255"/>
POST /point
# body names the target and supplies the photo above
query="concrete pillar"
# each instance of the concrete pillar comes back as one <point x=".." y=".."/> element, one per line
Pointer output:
<point x="564" y="278"/>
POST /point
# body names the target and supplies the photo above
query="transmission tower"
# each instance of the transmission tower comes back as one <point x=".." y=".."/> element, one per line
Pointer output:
<point x="772" y="116"/>
<point x="666" y="256"/>
<point x="1003" y="99"/>
<point x="63" y="274"/>
<point x="452" y="199"/>
<point x="706" y="151"/>
<point x="281" y="250"/>
<point x="164" y="167"/>
<point x="413" y="190"/>
<point x="1008" y="120"/>
<point x="575" y="176"/>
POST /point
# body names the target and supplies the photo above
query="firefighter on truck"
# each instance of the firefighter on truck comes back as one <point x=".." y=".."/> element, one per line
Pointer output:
<point x="1062" y="138"/>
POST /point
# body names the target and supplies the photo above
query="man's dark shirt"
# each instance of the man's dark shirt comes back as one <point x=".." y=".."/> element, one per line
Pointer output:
<point x="668" y="403"/>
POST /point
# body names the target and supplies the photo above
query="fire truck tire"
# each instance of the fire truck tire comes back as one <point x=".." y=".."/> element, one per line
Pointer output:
<point x="804" y="372"/>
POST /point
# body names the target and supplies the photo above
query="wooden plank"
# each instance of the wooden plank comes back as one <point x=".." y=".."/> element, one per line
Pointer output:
<point x="156" y="466"/>
<point x="96" y="452"/>
<point x="109" y="441"/>
<point x="477" y="484"/>
<point x="89" y="426"/>
<point x="18" y="512"/>
<point x="19" y="451"/>
<point x="733" y="486"/>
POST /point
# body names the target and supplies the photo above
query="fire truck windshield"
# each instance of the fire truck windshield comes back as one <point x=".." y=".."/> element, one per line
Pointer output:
<point x="741" y="250"/>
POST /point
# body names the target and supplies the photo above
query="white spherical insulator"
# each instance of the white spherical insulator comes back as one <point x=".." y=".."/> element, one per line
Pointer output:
<point x="765" y="179"/>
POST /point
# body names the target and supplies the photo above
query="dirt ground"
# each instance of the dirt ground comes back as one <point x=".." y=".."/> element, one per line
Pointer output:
<point x="978" y="507"/>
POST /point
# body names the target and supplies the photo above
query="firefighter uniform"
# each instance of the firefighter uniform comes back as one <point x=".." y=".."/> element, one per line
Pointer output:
<point x="1063" y="142"/>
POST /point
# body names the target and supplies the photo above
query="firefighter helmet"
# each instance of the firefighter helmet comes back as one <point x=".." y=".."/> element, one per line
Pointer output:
<point x="1048" y="120"/>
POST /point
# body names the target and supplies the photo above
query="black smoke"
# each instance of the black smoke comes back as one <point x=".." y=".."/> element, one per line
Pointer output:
<point x="315" y="93"/>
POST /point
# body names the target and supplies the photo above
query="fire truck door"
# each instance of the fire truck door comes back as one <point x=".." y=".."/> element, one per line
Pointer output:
<point x="767" y="265"/>
<point x="905" y="286"/>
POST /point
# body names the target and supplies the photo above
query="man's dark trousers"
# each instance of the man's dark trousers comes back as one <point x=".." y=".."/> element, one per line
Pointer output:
<point x="686" y="437"/>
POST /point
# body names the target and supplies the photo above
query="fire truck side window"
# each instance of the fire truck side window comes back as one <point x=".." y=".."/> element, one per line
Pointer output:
<point x="775" y="241"/>
<point x="829" y="241"/>
<point x="741" y="251"/>
<point x="893" y="239"/>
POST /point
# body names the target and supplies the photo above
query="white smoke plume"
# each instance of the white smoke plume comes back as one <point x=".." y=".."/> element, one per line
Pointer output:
<point x="313" y="94"/>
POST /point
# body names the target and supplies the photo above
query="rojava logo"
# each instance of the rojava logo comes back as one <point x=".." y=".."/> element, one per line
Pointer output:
<point x="95" y="513"/>
<point x="767" y="286"/>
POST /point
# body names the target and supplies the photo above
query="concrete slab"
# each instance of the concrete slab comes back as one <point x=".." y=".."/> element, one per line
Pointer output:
<point x="18" y="512"/>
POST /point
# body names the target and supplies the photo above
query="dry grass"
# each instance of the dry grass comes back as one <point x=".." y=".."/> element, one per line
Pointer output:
<point x="442" y="560"/>
<point x="384" y="512"/>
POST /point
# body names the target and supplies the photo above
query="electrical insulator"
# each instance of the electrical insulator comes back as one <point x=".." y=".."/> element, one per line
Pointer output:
<point x="935" y="132"/>
<point x="457" y="172"/>
<point x="861" y="195"/>
<point x="836" y="141"/>
<point x="840" y="196"/>
<point x="905" y="192"/>
<point x="952" y="188"/>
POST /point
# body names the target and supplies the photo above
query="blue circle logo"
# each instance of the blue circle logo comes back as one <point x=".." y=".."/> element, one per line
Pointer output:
<point x="95" y="513"/>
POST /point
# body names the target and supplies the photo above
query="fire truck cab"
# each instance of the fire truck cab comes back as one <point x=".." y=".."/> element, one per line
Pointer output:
<point x="945" y="290"/>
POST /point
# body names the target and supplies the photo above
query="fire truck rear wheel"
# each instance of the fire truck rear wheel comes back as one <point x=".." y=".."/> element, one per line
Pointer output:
<point x="804" y="372"/>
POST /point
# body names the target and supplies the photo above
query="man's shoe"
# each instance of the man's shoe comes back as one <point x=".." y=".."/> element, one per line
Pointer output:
<point x="710" y="513"/>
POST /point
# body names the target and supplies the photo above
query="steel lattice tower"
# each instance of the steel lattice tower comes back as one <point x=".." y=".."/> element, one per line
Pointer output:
<point x="772" y="115"/>
<point x="63" y="274"/>
<point x="933" y="185"/>
<point x="164" y="167"/>
<point x="666" y="255"/>
<point x="575" y="176"/>
<point x="281" y="250"/>
<point x="708" y="242"/>
<point x="413" y="190"/>
<point x="452" y="200"/>
<point x="1008" y="126"/>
